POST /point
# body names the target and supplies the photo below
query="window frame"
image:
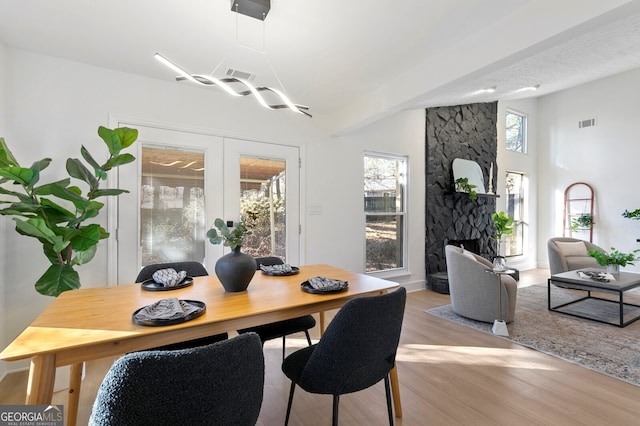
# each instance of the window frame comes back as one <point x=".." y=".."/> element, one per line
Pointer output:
<point x="518" y="223"/>
<point x="403" y="212"/>
<point x="525" y="123"/>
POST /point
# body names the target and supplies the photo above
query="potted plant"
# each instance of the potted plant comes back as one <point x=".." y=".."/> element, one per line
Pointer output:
<point x="504" y="226"/>
<point x="463" y="185"/>
<point x="634" y="215"/>
<point x="584" y="221"/>
<point x="56" y="213"/>
<point x="235" y="269"/>
<point x="614" y="259"/>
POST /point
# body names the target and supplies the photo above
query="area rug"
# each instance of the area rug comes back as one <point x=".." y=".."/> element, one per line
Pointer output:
<point x="604" y="348"/>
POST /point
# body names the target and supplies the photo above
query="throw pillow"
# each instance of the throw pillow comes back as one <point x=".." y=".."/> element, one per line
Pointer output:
<point x="573" y="248"/>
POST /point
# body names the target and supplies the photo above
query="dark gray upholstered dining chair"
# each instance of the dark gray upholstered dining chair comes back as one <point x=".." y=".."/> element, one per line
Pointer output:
<point x="282" y="328"/>
<point x="357" y="350"/>
<point x="218" y="384"/>
<point x="194" y="269"/>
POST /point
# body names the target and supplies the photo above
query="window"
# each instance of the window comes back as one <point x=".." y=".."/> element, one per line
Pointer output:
<point x="516" y="132"/>
<point x="385" y="211"/>
<point x="515" y="208"/>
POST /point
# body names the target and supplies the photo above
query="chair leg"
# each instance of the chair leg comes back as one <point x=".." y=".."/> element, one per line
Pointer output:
<point x="284" y="344"/>
<point x="306" y="332"/>
<point x="336" y="401"/>
<point x="387" y="390"/>
<point x="293" y="388"/>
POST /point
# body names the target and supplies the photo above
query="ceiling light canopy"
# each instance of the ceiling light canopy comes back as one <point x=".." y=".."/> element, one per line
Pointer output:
<point x="254" y="8"/>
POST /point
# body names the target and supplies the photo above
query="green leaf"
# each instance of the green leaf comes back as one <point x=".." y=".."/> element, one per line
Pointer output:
<point x="57" y="279"/>
<point x="55" y="212"/>
<point x="111" y="138"/>
<point x="37" y="228"/>
<point x="21" y="209"/>
<point x="99" y="173"/>
<point x="86" y="237"/>
<point x="107" y="192"/>
<point x="6" y="157"/>
<point x="127" y="136"/>
<point x="17" y="174"/>
<point x="77" y="169"/>
<point x="46" y="188"/>
<point x="85" y="256"/>
<point x="122" y="159"/>
<point x="79" y="202"/>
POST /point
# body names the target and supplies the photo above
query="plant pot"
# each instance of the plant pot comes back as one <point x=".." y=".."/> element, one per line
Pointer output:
<point x="235" y="270"/>
<point x="613" y="269"/>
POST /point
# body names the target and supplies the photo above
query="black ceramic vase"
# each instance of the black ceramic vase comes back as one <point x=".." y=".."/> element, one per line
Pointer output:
<point x="235" y="270"/>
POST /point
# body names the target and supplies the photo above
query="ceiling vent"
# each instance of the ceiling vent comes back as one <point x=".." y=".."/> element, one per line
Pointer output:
<point x="240" y="74"/>
<point x="591" y="122"/>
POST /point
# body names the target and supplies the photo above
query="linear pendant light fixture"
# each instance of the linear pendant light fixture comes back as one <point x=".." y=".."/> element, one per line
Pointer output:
<point x="235" y="86"/>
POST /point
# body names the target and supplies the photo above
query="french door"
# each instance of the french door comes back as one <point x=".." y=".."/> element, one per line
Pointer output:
<point x="182" y="181"/>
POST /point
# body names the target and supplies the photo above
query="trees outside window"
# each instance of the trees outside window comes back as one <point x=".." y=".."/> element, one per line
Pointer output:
<point x="516" y="132"/>
<point x="385" y="211"/>
<point x="515" y="190"/>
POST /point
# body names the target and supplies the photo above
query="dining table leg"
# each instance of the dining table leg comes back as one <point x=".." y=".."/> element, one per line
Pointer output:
<point x="75" y="381"/>
<point x="42" y="374"/>
<point x="395" y="390"/>
<point x="322" y="323"/>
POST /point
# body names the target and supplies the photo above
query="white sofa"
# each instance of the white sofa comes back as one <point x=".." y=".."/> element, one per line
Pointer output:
<point x="474" y="291"/>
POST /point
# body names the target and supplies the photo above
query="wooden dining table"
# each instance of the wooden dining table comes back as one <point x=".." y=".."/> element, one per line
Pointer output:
<point x="91" y="323"/>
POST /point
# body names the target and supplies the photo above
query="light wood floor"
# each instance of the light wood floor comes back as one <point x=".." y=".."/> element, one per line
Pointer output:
<point x="449" y="375"/>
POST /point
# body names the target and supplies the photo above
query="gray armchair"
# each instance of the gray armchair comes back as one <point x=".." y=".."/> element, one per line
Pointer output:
<point x="474" y="291"/>
<point x="570" y="254"/>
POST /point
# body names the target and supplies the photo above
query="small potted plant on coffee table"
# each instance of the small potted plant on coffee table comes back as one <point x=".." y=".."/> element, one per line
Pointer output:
<point x="614" y="259"/>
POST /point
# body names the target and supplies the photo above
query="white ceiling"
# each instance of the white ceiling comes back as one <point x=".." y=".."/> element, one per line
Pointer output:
<point x="351" y="61"/>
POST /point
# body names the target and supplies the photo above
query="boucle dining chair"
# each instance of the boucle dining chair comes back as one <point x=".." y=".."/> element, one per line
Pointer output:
<point x="193" y="269"/>
<point x="218" y="384"/>
<point x="357" y="350"/>
<point x="282" y="328"/>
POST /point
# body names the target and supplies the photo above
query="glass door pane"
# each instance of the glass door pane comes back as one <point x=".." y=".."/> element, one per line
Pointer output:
<point x="172" y="219"/>
<point x="262" y="183"/>
<point x="262" y="203"/>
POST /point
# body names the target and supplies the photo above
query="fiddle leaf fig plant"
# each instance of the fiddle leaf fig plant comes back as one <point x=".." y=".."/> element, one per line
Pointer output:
<point x="56" y="213"/>
<point x="504" y="226"/>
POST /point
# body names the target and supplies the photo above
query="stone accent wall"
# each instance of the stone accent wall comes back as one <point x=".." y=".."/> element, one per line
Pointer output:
<point x="468" y="132"/>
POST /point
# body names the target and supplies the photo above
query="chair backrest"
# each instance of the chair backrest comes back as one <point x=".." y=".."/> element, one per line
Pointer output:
<point x="268" y="261"/>
<point x="359" y="346"/>
<point x="194" y="269"/>
<point x="558" y="259"/>
<point x="220" y="383"/>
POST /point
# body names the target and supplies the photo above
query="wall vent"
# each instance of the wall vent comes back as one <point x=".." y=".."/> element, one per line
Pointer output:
<point x="231" y="72"/>
<point x="591" y="122"/>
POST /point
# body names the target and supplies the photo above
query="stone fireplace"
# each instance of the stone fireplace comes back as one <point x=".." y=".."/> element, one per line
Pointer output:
<point x="468" y="132"/>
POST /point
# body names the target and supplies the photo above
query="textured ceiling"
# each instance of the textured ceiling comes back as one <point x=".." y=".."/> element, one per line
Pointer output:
<point x="351" y="61"/>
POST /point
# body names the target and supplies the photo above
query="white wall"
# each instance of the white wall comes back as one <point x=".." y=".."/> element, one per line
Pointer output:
<point x="54" y="106"/>
<point x="3" y="224"/>
<point x="524" y="163"/>
<point x="338" y="232"/>
<point x="605" y="156"/>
